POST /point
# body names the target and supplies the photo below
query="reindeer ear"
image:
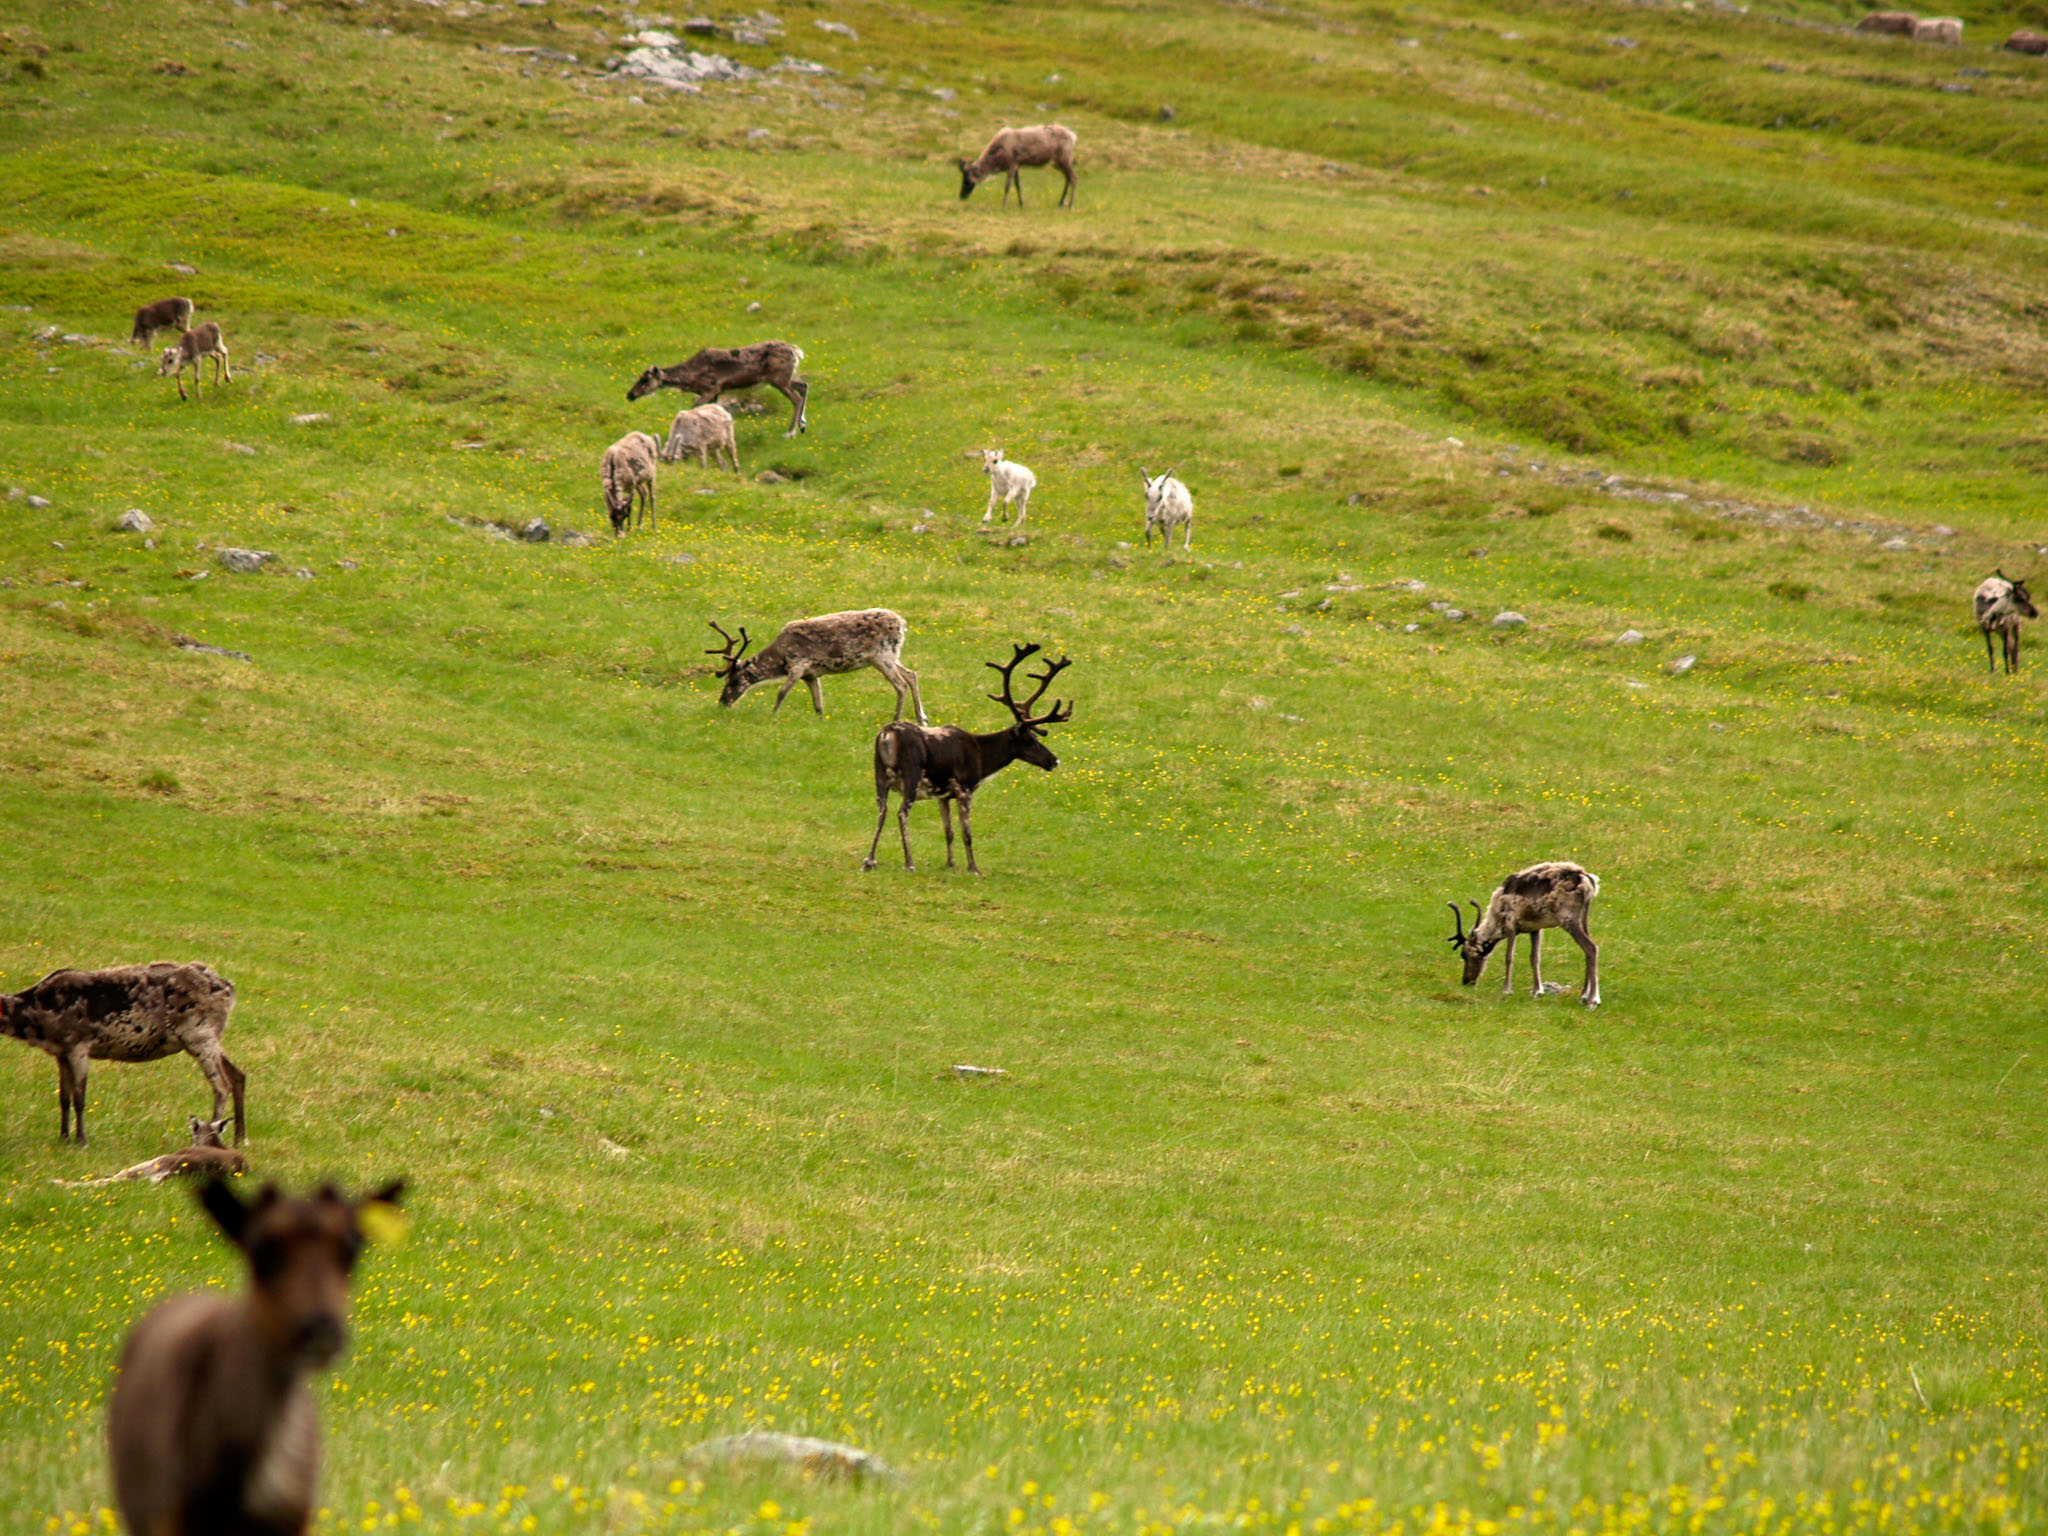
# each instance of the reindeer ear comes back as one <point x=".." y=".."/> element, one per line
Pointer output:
<point x="228" y="1211"/>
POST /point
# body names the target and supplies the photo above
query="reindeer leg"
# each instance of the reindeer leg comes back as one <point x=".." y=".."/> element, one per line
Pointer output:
<point x="803" y="405"/>
<point x="1536" y="964"/>
<point x="817" y="693"/>
<point x="79" y="1062"/>
<point x="916" y="700"/>
<point x="991" y="512"/>
<point x="967" y="832"/>
<point x="1990" y="658"/>
<point x="946" y="816"/>
<point x="796" y="410"/>
<point x="1023" y="506"/>
<point x="1590" y="993"/>
<point x="1507" y="975"/>
<point x="881" y="820"/>
<point x="224" y="1078"/>
<point x="903" y="826"/>
<point x="1188" y="535"/>
<point x="788" y="682"/>
<point x="63" y="1098"/>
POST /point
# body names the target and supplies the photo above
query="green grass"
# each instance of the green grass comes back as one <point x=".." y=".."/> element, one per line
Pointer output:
<point x="1272" y="1224"/>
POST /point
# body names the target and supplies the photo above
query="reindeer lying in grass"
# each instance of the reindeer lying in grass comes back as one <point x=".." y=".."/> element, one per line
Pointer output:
<point x="207" y="1158"/>
<point x="1556" y="895"/>
<point x="947" y="764"/>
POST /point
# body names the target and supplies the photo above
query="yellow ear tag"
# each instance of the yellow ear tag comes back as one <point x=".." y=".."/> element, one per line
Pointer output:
<point x="383" y="1224"/>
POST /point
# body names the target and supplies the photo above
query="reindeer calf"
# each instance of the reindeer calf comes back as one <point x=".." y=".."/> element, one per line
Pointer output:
<point x="1009" y="484"/>
<point x="628" y="477"/>
<point x="2001" y="603"/>
<point x="211" y="1429"/>
<point x="207" y="1158"/>
<point x="1168" y="506"/>
<point x="192" y="349"/>
<point x="700" y="430"/>
<point x="1554" y="895"/>
<point x="163" y="315"/>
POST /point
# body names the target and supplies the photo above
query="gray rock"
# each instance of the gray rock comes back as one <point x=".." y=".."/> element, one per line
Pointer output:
<point x="820" y="1458"/>
<point x="1683" y="665"/>
<point x="770" y="477"/>
<point x="303" y="574"/>
<point x="1294" y="629"/>
<point x="838" y="29"/>
<point x="1455" y="615"/>
<point x="1629" y="637"/>
<point x="1409" y="629"/>
<point x="348" y="565"/>
<point x="187" y="643"/>
<point x="234" y="447"/>
<point x="962" y="1069"/>
<point x="754" y="308"/>
<point x="536" y="532"/>
<point x="134" y="520"/>
<point x="38" y="502"/>
<point x="1896" y="544"/>
<point x="243" y="561"/>
<point x="1508" y="620"/>
<point x="573" y="539"/>
<point x="310" y="418"/>
<point x="184" y="267"/>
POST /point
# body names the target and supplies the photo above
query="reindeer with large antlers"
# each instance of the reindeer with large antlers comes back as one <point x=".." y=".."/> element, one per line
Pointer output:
<point x="947" y="764"/>
<point x="1550" y="895"/>
<point x="808" y="649"/>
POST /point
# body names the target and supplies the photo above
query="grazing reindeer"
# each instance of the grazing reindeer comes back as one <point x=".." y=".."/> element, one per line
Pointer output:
<point x="2001" y="603"/>
<point x="1014" y="148"/>
<point x="207" y="1158"/>
<point x="948" y="764"/>
<point x="163" y="315"/>
<point x="211" y="1429"/>
<point x="1542" y="896"/>
<point x="702" y="430"/>
<point x="627" y="473"/>
<point x="717" y="369"/>
<point x="1168" y="506"/>
<point x="808" y="649"/>
<point x="1010" y="484"/>
<point x="193" y="348"/>
<point x="128" y="1013"/>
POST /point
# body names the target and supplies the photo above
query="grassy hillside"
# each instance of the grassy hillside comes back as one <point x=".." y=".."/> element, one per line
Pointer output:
<point x="1723" y="327"/>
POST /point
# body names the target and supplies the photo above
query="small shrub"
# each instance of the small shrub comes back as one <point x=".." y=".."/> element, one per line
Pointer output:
<point x="1790" y="591"/>
<point x="1615" y="532"/>
<point x="1811" y="450"/>
<point x="1701" y="529"/>
<point x="160" y="781"/>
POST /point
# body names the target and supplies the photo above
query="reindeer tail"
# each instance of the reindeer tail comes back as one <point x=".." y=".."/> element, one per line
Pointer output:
<point x="799" y="351"/>
<point x="1595" y="881"/>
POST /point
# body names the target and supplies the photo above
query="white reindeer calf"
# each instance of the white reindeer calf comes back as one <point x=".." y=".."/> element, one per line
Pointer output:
<point x="1551" y="895"/>
<point x="1008" y="483"/>
<point x="702" y="430"/>
<point x="2001" y="602"/>
<point x="1168" y="506"/>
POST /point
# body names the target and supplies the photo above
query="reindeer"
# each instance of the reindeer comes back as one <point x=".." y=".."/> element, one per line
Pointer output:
<point x="207" y="1158"/>
<point x="128" y="1013"/>
<point x="1014" y="148"/>
<point x="705" y="430"/>
<point x="1168" y="506"/>
<point x="2001" y="602"/>
<point x="211" y="1429"/>
<point x="627" y="474"/>
<point x="163" y="315"/>
<point x="1010" y="484"/>
<point x="193" y="348"/>
<point x="808" y="649"/>
<point x="948" y="764"/>
<point x="1554" y="895"/>
<point x="717" y="369"/>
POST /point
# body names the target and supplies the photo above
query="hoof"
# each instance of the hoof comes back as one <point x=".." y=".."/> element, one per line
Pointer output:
<point x="867" y="863"/>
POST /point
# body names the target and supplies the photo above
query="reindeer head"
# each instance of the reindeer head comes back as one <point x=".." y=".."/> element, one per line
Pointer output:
<point x="990" y="458"/>
<point x="1468" y="945"/>
<point x="167" y="364"/>
<point x="970" y="177"/>
<point x="736" y="680"/>
<point x="300" y="1253"/>
<point x="2018" y="595"/>
<point x="646" y="384"/>
<point x="1026" y="733"/>
<point x="206" y="1133"/>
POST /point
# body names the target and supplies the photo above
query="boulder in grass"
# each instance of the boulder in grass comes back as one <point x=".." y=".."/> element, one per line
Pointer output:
<point x="820" y="1458"/>
<point x="2024" y="41"/>
<point x="243" y="562"/>
<point x="134" y="520"/>
<point x="1508" y="620"/>
<point x="536" y="532"/>
<point x="1945" y="30"/>
<point x="1894" y="23"/>
<point x="1683" y="665"/>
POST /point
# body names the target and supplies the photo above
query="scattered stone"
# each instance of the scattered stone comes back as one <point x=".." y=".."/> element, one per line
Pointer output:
<point x="1294" y="629"/>
<point x="1409" y="586"/>
<point x="1943" y="531"/>
<point x="837" y="29"/>
<point x="945" y="92"/>
<point x="310" y="418"/>
<point x="302" y="573"/>
<point x="536" y="532"/>
<point x="1508" y="620"/>
<point x="187" y="643"/>
<point x="1455" y="615"/>
<point x="573" y="539"/>
<point x="681" y="69"/>
<point x="349" y="565"/>
<point x="754" y="308"/>
<point x="243" y="561"/>
<point x="183" y="267"/>
<point x="233" y="447"/>
<point x="1017" y="541"/>
<point x="962" y="1069"/>
<point x="1629" y="637"/>
<point x="15" y="493"/>
<point x="1683" y="665"/>
<point x="822" y="1458"/>
<point x="1454" y="442"/>
<point x="613" y="1150"/>
<point x="1896" y="544"/>
<point x="58" y="544"/>
<point x="770" y="477"/>
<point x="38" y="503"/>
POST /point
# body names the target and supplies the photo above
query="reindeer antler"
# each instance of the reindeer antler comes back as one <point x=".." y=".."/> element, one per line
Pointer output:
<point x="1044" y="680"/>
<point x="732" y="656"/>
<point x="1458" y="917"/>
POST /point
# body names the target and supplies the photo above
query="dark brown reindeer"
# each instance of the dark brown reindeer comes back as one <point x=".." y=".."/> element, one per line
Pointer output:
<point x="947" y="764"/>
<point x="127" y="1013"/>
<point x="827" y="646"/>
<point x="1551" y="895"/>
<point x="2001" y="602"/>
<point x="163" y="315"/>
<point x="716" y="369"/>
<point x="207" y="1158"/>
<point x="211" y="1429"/>
<point x="1012" y="149"/>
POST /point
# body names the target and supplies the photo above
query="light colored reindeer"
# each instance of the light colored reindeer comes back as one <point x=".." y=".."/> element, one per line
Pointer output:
<point x="192" y="349"/>
<point x="627" y="474"/>
<point x="1551" y="895"/>
<point x="1168" y="506"/>
<point x="702" y="430"/>
<point x="2000" y="604"/>
<point x="808" y="649"/>
<point x="1009" y="484"/>
<point x="1014" y="148"/>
